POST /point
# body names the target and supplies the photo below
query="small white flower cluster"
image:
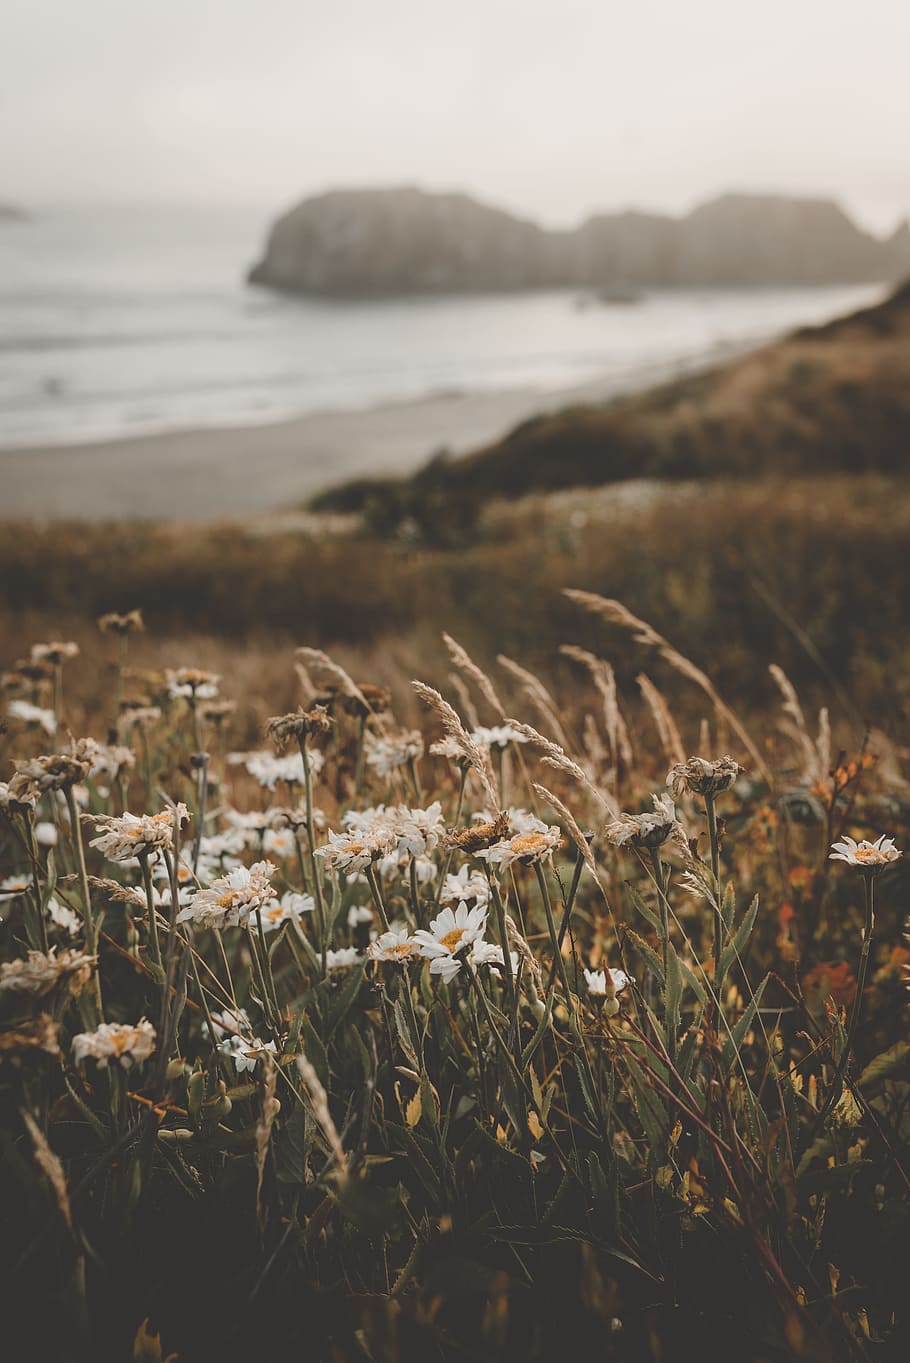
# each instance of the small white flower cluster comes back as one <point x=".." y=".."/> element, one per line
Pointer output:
<point x="453" y="937"/>
<point x="498" y="736"/>
<point x="531" y="842"/>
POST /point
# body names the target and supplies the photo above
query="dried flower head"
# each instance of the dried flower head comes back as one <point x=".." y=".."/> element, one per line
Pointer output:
<point x="479" y="835"/>
<point x="56" y="771"/>
<point x="39" y="974"/>
<point x="299" y="724"/>
<point x="645" y="830"/>
<point x="116" y="1041"/>
<point x="870" y="857"/>
<point x="701" y="777"/>
<point x="112" y="623"/>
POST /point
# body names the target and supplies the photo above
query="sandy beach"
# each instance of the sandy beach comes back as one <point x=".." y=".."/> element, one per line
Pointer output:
<point x="210" y="474"/>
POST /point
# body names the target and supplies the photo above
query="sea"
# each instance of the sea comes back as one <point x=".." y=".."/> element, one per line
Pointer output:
<point x="123" y="320"/>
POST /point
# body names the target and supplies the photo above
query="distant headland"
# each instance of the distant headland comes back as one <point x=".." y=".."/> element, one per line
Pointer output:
<point x="386" y="242"/>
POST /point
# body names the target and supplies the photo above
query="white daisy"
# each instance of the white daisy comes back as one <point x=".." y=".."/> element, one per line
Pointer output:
<point x="868" y="856"/>
<point x="342" y="959"/>
<point x="359" y="914"/>
<point x="528" y="848"/>
<point x="467" y="884"/>
<point x="288" y="908"/>
<point x="355" y="851"/>
<point x="33" y="715"/>
<point x="14" y="886"/>
<point x="606" y="984"/>
<point x="387" y="755"/>
<point x="63" y="918"/>
<point x="116" y="1041"/>
<point x="450" y="934"/>
<point x="279" y="842"/>
<point x="230" y="899"/>
<point x="130" y="835"/>
<point x="395" y="946"/>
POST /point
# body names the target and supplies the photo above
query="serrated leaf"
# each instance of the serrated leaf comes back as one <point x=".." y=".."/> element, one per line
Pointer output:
<point x="407" y="1043"/>
<point x="734" y="1040"/>
<point x="736" y="946"/>
<point x="649" y="954"/>
<point x="644" y="908"/>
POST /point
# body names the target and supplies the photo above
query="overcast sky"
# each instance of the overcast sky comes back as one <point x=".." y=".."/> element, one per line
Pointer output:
<point x="550" y="107"/>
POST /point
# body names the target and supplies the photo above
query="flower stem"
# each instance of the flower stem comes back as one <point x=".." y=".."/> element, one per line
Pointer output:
<point x="837" y="1085"/>
<point x="91" y="936"/>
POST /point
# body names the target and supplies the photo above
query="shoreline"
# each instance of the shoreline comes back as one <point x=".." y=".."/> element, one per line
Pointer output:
<point x="221" y="473"/>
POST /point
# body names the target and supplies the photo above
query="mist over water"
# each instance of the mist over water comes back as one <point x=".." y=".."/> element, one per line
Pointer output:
<point x="120" y="321"/>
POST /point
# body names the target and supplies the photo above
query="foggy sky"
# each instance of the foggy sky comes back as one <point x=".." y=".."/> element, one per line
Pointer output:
<point x="552" y="108"/>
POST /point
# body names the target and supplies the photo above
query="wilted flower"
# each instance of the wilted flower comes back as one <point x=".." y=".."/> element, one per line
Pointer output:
<point x="868" y="856"/>
<point x="480" y="835"/>
<point x="116" y="1041"/>
<point x="701" y="777"/>
<point x="39" y="974"/>
<point x="229" y="900"/>
<point x="527" y="848"/>
<point x="139" y="716"/>
<point x="18" y="797"/>
<point x="392" y="946"/>
<point x="126" y="836"/>
<point x="448" y="936"/>
<point x="645" y="830"/>
<point x="112" y="623"/>
<point x="33" y="715"/>
<point x="298" y="724"/>
<point x="54" y="772"/>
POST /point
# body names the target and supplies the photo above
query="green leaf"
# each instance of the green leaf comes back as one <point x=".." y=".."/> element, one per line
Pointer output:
<point x="734" y="1040"/>
<point x="674" y="990"/>
<point x="884" y="1065"/>
<point x="408" y="1043"/>
<point x="643" y="908"/>
<point x="344" y="1000"/>
<point x="314" y="1050"/>
<point x="530" y="1050"/>
<point x="650" y="955"/>
<point x="736" y="946"/>
<point x="693" y="982"/>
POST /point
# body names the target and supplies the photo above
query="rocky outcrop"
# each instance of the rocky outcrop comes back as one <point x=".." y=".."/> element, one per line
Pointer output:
<point x="381" y="242"/>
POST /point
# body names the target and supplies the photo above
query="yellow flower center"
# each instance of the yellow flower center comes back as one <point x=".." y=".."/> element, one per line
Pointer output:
<point x="273" y="915"/>
<point x="399" y="952"/>
<point x="451" y="939"/>
<point x="868" y="854"/>
<point x="121" y="1041"/>
<point x="528" y="843"/>
<point x="226" y="900"/>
